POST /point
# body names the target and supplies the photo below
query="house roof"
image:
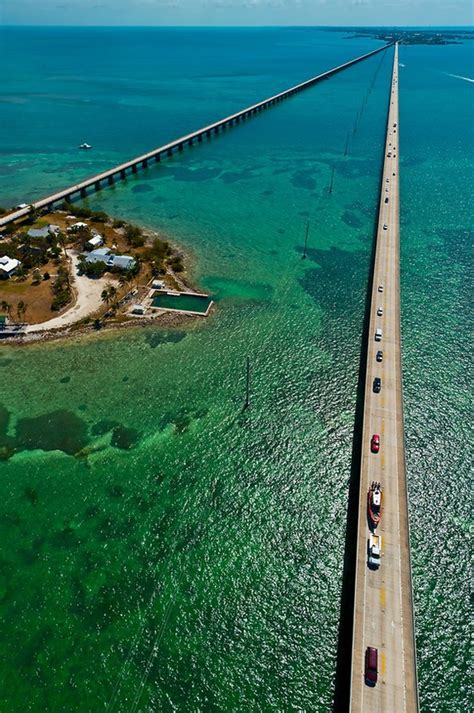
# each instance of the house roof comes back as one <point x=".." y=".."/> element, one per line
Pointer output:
<point x="96" y="240"/>
<point x="7" y="264"/>
<point x="125" y="261"/>
<point x="43" y="232"/>
<point x="38" y="232"/>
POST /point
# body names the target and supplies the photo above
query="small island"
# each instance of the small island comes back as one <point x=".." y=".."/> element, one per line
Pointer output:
<point x="410" y="36"/>
<point x="75" y="270"/>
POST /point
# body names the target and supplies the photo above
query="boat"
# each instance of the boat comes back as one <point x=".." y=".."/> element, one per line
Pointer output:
<point x="374" y="504"/>
<point x="85" y="146"/>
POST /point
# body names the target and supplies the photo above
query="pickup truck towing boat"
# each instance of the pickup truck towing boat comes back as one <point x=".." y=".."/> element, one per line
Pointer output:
<point x="374" y="504"/>
<point x="375" y="551"/>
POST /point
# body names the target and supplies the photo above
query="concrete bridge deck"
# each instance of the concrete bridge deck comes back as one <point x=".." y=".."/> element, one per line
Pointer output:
<point x="120" y="171"/>
<point x="383" y="607"/>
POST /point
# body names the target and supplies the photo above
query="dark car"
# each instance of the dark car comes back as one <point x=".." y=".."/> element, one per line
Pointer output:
<point x="371" y="664"/>
<point x="377" y="385"/>
<point x="379" y="355"/>
<point x="386" y="200"/>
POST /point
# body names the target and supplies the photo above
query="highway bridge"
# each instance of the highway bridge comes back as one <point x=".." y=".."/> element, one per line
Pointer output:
<point x="383" y="606"/>
<point x="120" y="172"/>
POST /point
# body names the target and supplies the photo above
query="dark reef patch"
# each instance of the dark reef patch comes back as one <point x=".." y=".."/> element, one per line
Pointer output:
<point x="234" y="176"/>
<point x="142" y="188"/>
<point x="56" y="431"/>
<point x="5" y="361"/>
<point x="65" y="380"/>
<point x="102" y="427"/>
<point x="352" y="220"/>
<point x="304" y="179"/>
<point x="155" y="339"/>
<point x="124" y="438"/>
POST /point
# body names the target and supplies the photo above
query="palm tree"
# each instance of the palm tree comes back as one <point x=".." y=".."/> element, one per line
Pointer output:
<point x="105" y="296"/>
<point x="6" y="306"/>
<point x="21" y="310"/>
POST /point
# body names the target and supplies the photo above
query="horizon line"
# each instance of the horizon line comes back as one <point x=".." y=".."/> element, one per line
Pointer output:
<point x="246" y="26"/>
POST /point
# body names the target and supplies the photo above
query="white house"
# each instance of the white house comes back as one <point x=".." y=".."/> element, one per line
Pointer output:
<point x="8" y="266"/>
<point x="95" y="242"/>
<point x="99" y="255"/>
<point x="77" y="226"/>
<point x="43" y="232"/>
<point x="124" y="262"/>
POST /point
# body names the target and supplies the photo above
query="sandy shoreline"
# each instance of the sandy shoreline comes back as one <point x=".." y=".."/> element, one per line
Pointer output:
<point x="161" y="320"/>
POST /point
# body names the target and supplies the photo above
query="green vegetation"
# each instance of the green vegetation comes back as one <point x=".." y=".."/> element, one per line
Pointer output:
<point x="92" y="269"/>
<point x="61" y="290"/>
<point x="176" y="263"/>
<point x="134" y="236"/>
<point x="98" y="216"/>
<point x="109" y="294"/>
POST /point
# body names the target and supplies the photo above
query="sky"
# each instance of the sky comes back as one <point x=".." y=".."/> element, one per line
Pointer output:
<point x="236" y="12"/>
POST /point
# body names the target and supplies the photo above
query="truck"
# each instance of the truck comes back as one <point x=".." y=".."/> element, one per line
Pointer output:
<point x="375" y="551"/>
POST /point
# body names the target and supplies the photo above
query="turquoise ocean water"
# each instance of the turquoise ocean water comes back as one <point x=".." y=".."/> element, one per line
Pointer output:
<point x="163" y="550"/>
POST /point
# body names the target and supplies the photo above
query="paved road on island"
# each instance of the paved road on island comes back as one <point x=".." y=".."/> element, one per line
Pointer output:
<point x="383" y="613"/>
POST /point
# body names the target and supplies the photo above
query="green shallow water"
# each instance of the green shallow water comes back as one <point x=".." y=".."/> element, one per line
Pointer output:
<point x="166" y="550"/>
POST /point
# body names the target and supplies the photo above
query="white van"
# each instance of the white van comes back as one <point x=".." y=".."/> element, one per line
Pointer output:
<point x="378" y="335"/>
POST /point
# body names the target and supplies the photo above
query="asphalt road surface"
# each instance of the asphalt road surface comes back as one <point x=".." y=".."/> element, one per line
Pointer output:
<point x="383" y="610"/>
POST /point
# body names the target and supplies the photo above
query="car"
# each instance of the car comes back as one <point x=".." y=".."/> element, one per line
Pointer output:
<point x="380" y="288"/>
<point x="379" y="311"/>
<point x="387" y="180"/>
<point x="377" y="385"/>
<point x="386" y="200"/>
<point x="375" y="443"/>
<point x="371" y="666"/>
<point x="379" y="355"/>
<point x="385" y="226"/>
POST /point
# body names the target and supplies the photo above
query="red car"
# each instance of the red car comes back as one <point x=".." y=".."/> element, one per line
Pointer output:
<point x="375" y="443"/>
<point x="371" y="666"/>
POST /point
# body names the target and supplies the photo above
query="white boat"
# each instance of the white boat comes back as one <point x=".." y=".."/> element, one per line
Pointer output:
<point x="85" y="146"/>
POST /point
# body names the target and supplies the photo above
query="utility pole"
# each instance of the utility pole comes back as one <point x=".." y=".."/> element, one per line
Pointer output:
<point x="247" y="386"/>
<point x="306" y="241"/>
<point x="332" y="179"/>
<point x="347" y="144"/>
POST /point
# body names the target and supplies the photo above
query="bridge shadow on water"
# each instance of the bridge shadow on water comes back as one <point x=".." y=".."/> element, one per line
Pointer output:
<point x="342" y="685"/>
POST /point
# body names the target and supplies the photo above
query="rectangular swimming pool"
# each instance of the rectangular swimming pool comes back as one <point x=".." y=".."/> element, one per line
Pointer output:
<point x="188" y="303"/>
